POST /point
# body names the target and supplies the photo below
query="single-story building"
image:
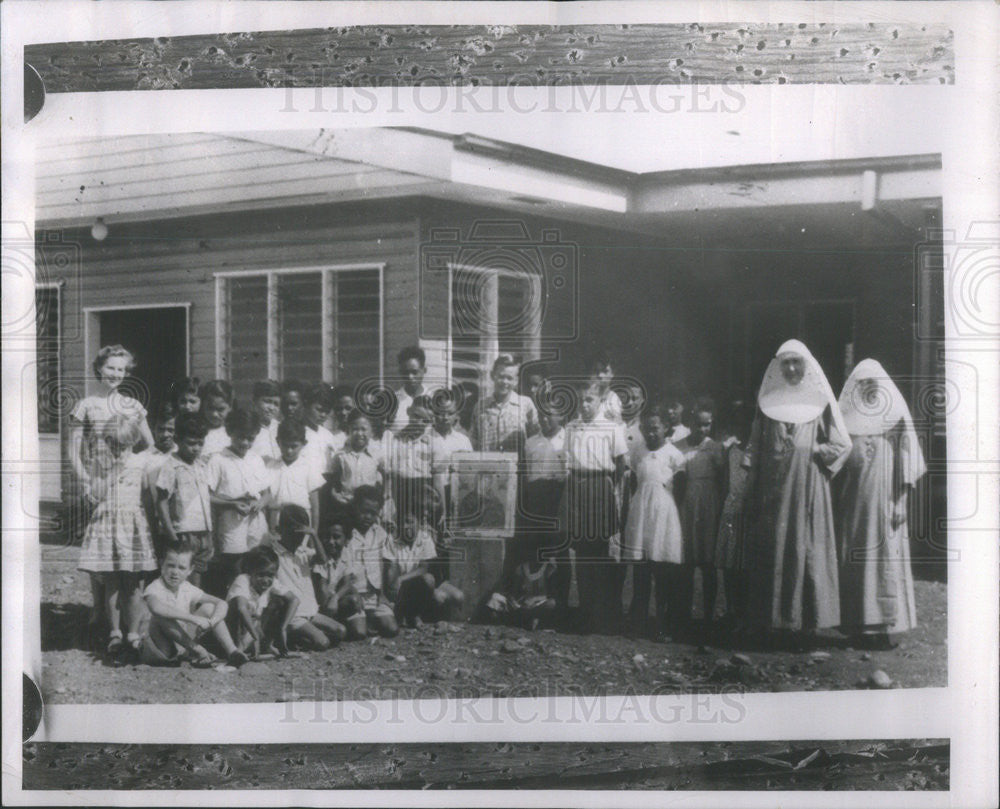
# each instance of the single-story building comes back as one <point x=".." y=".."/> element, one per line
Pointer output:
<point x="320" y="254"/>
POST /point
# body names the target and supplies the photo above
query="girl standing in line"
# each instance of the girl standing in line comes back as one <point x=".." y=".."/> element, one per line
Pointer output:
<point x="704" y="482"/>
<point x="653" y="538"/>
<point x="729" y="541"/>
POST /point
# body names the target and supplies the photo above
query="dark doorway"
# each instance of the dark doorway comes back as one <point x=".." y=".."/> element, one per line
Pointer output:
<point x="826" y="328"/>
<point x="158" y="339"/>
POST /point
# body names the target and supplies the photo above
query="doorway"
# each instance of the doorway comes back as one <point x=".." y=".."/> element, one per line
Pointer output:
<point x="157" y="336"/>
<point x="825" y="326"/>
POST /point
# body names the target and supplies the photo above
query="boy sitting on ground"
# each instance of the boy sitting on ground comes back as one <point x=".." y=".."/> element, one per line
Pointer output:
<point x="260" y="608"/>
<point x="295" y="549"/>
<point x="363" y="556"/>
<point x="335" y="591"/>
<point x="408" y="580"/>
<point x="181" y="614"/>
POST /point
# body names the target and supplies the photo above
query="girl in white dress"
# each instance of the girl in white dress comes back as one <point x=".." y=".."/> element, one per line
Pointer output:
<point x="653" y="528"/>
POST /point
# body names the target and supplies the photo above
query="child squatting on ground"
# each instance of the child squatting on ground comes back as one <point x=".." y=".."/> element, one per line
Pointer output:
<point x="182" y="615"/>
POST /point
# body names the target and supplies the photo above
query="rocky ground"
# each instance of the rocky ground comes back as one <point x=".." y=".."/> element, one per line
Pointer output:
<point x="466" y="660"/>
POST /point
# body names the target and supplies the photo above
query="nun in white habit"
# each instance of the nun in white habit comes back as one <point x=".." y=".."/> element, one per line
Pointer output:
<point x="876" y="582"/>
<point x="797" y="444"/>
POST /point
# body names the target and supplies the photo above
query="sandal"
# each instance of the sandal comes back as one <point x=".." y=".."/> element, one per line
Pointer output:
<point x="204" y="662"/>
<point x="237" y="658"/>
<point x="114" y="642"/>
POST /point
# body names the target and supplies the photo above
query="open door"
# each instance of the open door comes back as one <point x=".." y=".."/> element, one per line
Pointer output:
<point x="157" y="338"/>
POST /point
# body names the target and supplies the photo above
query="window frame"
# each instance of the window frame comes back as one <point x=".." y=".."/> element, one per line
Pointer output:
<point x="532" y="348"/>
<point x="57" y="286"/>
<point x="327" y="315"/>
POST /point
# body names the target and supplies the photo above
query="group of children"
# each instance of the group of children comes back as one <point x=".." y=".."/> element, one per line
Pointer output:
<point x="303" y="520"/>
<point x="268" y="534"/>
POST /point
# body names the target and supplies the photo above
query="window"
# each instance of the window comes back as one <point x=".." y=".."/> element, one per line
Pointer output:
<point x="311" y="324"/>
<point x="492" y="311"/>
<point x="47" y="357"/>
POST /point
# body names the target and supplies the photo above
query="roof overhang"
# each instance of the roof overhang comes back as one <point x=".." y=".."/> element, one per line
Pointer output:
<point x="299" y="167"/>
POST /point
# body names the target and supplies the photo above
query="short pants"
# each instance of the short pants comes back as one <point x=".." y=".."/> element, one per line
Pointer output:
<point x="204" y="548"/>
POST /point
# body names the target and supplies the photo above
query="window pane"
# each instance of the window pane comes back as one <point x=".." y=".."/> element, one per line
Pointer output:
<point x="246" y="336"/>
<point x="300" y="326"/>
<point x="356" y="332"/>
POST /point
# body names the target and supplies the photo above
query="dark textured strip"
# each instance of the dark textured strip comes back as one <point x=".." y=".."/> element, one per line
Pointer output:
<point x="838" y="765"/>
<point x="367" y="56"/>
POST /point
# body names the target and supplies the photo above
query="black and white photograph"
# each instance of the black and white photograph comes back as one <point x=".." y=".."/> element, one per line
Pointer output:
<point x="518" y="407"/>
<point x="695" y="377"/>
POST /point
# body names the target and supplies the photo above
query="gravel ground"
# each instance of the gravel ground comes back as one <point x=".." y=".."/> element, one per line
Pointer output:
<point x="466" y="660"/>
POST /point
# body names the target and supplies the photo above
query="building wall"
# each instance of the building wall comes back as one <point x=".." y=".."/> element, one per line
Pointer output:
<point x="174" y="261"/>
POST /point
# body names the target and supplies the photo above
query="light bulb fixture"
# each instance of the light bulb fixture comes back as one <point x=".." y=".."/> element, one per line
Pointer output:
<point x="99" y="230"/>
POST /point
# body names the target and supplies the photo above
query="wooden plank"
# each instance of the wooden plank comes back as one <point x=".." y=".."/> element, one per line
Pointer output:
<point x="103" y="202"/>
<point x="801" y="765"/>
<point x="782" y="53"/>
<point x="211" y="164"/>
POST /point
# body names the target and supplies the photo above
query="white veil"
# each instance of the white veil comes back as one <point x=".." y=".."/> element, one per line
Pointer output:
<point x="797" y="404"/>
<point x="879" y="408"/>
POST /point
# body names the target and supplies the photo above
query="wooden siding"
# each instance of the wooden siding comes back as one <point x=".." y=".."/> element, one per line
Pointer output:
<point x="138" y="176"/>
<point x="176" y="262"/>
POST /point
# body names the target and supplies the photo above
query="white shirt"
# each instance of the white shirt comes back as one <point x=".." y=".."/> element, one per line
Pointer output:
<point x="402" y="417"/>
<point x="229" y="475"/>
<point x="545" y="456"/>
<point x="291" y="484"/>
<point x="406" y="556"/>
<point x="256" y="601"/>
<point x="266" y="442"/>
<point x="363" y="555"/>
<point x="594" y="445"/>
<point x="444" y="446"/>
<point x="153" y="460"/>
<point x="679" y="434"/>
<point x="216" y="441"/>
<point x="295" y="576"/>
<point x="185" y="599"/>
<point x="610" y="406"/>
<point x="636" y="443"/>
<point x="322" y="444"/>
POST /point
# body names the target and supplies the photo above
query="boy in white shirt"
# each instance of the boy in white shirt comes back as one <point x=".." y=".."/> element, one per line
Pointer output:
<point x="180" y="614"/>
<point x="609" y="405"/>
<point x="343" y="407"/>
<point x="363" y="555"/>
<point x="316" y="410"/>
<point x="216" y="402"/>
<point x="408" y="581"/>
<point x="296" y="547"/>
<point x="595" y="454"/>
<point x="238" y="482"/>
<point x="412" y="368"/>
<point x="295" y="479"/>
<point x="260" y="607"/>
<point x="267" y="405"/>
<point x="542" y="485"/>
<point x="446" y="441"/>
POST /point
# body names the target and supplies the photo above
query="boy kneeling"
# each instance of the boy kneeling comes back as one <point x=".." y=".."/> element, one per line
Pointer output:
<point x="181" y="614"/>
